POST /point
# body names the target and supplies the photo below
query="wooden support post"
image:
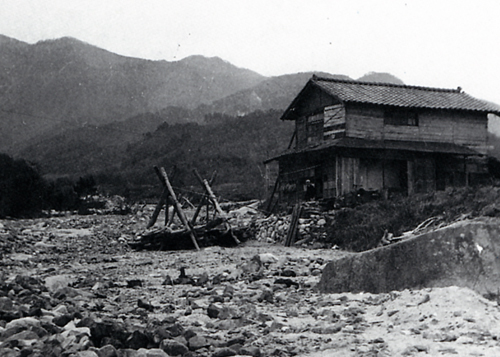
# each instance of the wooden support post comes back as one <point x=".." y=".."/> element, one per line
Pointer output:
<point x="291" y="140"/>
<point x="163" y="200"/>
<point x="212" y="198"/>
<point x="203" y="201"/>
<point x="210" y="193"/>
<point x="292" y="230"/>
<point x="178" y="207"/>
<point x="168" y="219"/>
<point x="276" y="185"/>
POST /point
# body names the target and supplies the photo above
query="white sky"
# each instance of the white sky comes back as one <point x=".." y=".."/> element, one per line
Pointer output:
<point x="434" y="43"/>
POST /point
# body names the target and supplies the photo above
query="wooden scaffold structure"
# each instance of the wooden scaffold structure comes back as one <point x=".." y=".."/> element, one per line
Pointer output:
<point x="214" y="231"/>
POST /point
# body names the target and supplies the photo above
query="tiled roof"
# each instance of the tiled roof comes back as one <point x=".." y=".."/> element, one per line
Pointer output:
<point x="402" y="95"/>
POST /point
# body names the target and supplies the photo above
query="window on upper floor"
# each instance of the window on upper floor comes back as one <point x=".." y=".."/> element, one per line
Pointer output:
<point x="401" y="117"/>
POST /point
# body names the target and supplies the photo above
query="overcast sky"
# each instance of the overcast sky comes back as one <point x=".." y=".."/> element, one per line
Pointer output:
<point x="434" y="43"/>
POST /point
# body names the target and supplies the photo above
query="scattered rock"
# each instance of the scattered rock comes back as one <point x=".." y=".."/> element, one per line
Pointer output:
<point x="107" y="351"/>
<point x="267" y="296"/>
<point x="250" y="351"/>
<point x="62" y="320"/>
<point x="213" y="311"/>
<point x="173" y="347"/>
<point x="54" y="283"/>
<point x="134" y="283"/>
<point x="197" y="342"/>
<point x="224" y="352"/>
<point x="465" y="340"/>
<point x="147" y="306"/>
<point x="267" y="258"/>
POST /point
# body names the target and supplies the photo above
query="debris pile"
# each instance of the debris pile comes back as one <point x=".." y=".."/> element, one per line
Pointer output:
<point x="167" y="238"/>
<point x="271" y="229"/>
<point x="99" y="204"/>
<point x="310" y="230"/>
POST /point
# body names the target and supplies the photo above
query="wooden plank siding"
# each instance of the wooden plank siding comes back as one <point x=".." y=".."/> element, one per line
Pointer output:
<point x="310" y="113"/>
<point x="461" y="128"/>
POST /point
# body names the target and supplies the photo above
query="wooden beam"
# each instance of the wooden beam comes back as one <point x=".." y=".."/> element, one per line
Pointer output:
<point x="178" y="207"/>
<point x="168" y="218"/>
<point x="276" y="185"/>
<point x="291" y="140"/>
<point x="292" y="229"/>
<point x="163" y="200"/>
<point x="212" y="198"/>
<point x="203" y="201"/>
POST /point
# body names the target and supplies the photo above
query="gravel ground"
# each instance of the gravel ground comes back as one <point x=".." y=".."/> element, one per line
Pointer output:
<point x="71" y="286"/>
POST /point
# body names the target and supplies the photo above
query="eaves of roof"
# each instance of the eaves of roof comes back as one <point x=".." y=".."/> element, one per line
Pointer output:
<point x="408" y="146"/>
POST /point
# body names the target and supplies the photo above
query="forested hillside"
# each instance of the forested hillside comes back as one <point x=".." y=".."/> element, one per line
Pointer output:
<point x="122" y="160"/>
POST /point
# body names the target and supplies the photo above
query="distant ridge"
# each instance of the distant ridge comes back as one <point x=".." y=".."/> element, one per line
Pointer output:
<point x="380" y="77"/>
<point x="59" y="84"/>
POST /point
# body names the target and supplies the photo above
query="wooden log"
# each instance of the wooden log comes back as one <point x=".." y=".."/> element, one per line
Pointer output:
<point x="292" y="230"/>
<point x="159" y="206"/>
<point x="178" y="208"/>
<point x="163" y="200"/>
<point x="172" y="239"/>
<point x="290" y="227"/>
<point x="212" y="198"/>
<point x="210" y="193"/>
<point x="168" y="219"/>
<point x="203" y="201"/>
<point x="296" y="229"/>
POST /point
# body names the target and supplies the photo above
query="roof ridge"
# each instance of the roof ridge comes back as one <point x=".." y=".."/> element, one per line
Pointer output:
<point x="353" y="81"/>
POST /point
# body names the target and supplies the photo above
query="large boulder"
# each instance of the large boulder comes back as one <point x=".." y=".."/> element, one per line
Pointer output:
<point x="465" y="254"/>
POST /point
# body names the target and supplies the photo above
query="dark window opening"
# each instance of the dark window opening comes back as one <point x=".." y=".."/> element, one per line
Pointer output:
<point x="400" y="117"/>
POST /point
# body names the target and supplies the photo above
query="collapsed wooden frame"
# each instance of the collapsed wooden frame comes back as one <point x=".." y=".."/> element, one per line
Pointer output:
<point x="168" y="195"/>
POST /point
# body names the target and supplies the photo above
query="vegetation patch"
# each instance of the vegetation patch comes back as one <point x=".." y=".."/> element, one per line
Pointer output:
<point x="362" y="227"/>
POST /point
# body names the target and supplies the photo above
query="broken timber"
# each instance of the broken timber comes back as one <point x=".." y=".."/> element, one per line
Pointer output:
<point x="212" y="198"/>
<point x="178" y="208"/>
<point x="217" y="231"/>
<point x="293" y="229"/>
<point x="203" y="200"/>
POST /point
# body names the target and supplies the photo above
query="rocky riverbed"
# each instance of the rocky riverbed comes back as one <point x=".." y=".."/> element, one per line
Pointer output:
<point x="70" y="286"/>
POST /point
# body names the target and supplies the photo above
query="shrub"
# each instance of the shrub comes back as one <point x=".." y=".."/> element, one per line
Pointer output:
<point x="362" y="227"/>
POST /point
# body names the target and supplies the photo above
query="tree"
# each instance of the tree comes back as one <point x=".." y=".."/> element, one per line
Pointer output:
<point x="21" y="188"/>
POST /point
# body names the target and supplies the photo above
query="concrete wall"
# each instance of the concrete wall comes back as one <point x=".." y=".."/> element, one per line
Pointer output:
<point x="465" y="254"/>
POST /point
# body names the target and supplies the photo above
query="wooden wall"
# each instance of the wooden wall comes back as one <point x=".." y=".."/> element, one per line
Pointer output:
<point x="310" y="117"/>
<point x="355" y="173"/>
<point x="461" y="128"/>
<point x="313" y="101"/>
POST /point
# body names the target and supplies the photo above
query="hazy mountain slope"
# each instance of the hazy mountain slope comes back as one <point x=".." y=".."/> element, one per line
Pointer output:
<point x="90" y="148"/>
<point x="233" y="146"/>
<point x="380" y="77"/>
<point x="121" y="155"/>
<point x="93" y="148"/>
<point x="62" y="83"/>
<point x="273" y="93"/>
